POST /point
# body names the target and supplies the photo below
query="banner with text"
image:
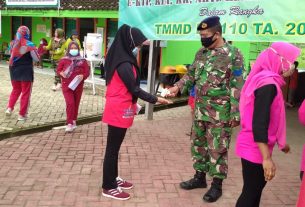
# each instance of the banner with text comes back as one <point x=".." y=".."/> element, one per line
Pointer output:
<point x="12" y="3"/>
<point x="242" y="20"/>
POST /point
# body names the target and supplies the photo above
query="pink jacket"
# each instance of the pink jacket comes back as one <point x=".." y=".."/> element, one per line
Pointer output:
<point x="267" y="69"/>
<point x="246" y="148"/>
<point x="119" y="110"/>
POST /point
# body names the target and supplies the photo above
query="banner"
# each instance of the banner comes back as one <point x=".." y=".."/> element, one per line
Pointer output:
<point x="31" y="3"/>
<point x="242" y="20"/>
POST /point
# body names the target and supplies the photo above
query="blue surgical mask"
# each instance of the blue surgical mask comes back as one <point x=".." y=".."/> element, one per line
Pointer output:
<point x="73" y="52"/>
<point x="135" y="52"/>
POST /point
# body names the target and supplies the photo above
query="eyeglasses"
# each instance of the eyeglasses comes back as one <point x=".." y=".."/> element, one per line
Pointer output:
<point x="282" y="58"/>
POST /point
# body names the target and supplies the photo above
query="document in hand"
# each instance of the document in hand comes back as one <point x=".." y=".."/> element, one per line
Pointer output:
<point x="139" y="107"/>
<point x="74" y="83"/>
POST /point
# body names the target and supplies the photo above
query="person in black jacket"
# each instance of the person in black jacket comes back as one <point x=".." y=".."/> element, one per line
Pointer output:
<point x="23" y="53"/>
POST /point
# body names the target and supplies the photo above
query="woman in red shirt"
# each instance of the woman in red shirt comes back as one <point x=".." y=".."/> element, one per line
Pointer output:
<point x="123" y="90"/>
<point x="73" y="70"/>
<point x="292" y="85"/>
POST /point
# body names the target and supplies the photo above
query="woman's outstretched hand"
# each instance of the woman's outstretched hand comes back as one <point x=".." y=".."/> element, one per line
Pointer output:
<point x="164" y="101"/>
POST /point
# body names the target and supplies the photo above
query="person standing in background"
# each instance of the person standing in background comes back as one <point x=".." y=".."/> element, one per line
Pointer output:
<point x="42" y="52"/>
<point x="57" y="48"/>
<point x="292" y="85"/>
<point x="73" y="37"/>
<point x="23" y="53"/>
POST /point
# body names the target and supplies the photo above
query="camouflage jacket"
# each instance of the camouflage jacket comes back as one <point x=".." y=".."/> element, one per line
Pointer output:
<point x="218" y="78"/>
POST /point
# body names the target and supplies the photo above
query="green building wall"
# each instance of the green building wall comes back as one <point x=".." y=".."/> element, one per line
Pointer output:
<point x="101" y="22"/>
<point x="183" y="52"/>
<point x="179" y="52"/>
<point x="5" y="30"/>
<point x="36" y="36"/>
<point x="43" y="17"/>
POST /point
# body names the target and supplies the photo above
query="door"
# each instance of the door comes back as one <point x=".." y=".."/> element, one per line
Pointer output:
<point x="86" y="26"/>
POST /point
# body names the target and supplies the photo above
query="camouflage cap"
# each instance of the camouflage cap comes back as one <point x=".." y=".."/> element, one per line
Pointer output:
<point x="208" y="23"/>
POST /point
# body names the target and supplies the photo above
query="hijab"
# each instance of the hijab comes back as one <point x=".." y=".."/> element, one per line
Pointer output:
<point x="127" y="38"/>
<point x="268" y="69"/>
<point x="75" y="60"/>
<point x="21" y="44"/>
<point x="60" y="33"/>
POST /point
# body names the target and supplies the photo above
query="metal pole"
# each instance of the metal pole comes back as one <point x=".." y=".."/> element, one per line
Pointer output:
<point x="152" y="66"/>
<point x="58" y="7"/>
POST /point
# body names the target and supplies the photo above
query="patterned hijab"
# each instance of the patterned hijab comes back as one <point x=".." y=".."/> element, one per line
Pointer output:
<point x="21" y="45"/>
<point x="75" y="60"/>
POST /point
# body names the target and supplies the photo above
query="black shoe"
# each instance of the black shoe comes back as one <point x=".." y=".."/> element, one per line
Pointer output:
<point x="198" y="181"/>
<point x="213" y="194"/>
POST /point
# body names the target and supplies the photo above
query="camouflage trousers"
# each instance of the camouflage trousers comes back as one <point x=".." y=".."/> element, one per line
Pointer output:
<point x="56" y="77"/>
<point x="209" y="148"/>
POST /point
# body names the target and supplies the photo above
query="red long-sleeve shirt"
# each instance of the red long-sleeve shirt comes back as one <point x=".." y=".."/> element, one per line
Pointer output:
<point x="82" y="69"/>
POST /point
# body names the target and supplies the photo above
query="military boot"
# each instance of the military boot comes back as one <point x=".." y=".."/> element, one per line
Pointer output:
<point x="215" y="192"/>
<point x="198" y="181"/>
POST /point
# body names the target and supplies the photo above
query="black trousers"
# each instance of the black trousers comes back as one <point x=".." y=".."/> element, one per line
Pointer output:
<point x="254" y="183"/>
<point x="115" y="138"/>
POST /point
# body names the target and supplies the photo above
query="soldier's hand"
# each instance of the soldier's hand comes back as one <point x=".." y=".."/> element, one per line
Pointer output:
<point x="173" y="91"/>
<point x="164" y="101"/>
<point x="234" y="123"/>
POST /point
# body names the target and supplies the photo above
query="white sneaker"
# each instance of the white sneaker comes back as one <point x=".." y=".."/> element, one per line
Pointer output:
<point x="8" y="112"/>
<point x="58" y="87"/>
<point x="69" y="128"/>
<point x="22" y="118"/>
<point x="53" y="88"/>
<point x="74" y="125"/>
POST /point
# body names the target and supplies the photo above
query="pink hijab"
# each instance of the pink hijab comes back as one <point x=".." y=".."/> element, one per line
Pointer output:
<point x="267" y="70"/>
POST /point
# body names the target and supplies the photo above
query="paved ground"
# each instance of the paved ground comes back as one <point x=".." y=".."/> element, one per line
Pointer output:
<point x="46" y="106"/>
<point x="58" y="169"/>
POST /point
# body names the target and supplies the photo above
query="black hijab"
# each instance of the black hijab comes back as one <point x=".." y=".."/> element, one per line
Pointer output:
<point x="126" y="39"/>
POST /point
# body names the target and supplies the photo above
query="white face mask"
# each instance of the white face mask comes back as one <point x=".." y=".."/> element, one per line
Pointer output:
<point x="135" y="51"/>
<point x="290" y="71"/>
<point x="73" y="52"/>
<point x="291" y="66"/>
<point x="41" y="42"/>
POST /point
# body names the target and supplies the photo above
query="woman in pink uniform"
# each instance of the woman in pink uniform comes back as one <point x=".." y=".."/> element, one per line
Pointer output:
<point x="263" y="121"/>
<point x="123" y="90"/>
<point x="72" y="68"/>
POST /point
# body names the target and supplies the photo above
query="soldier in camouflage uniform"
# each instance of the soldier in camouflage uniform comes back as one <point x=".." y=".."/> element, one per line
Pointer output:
<point x="217" y="73"/>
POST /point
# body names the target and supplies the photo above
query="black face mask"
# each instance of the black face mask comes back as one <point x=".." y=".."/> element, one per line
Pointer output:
<point x="207" y="41"/>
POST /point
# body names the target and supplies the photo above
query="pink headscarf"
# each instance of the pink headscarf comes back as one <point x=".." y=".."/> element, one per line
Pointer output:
<point x="268" y="69"/>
